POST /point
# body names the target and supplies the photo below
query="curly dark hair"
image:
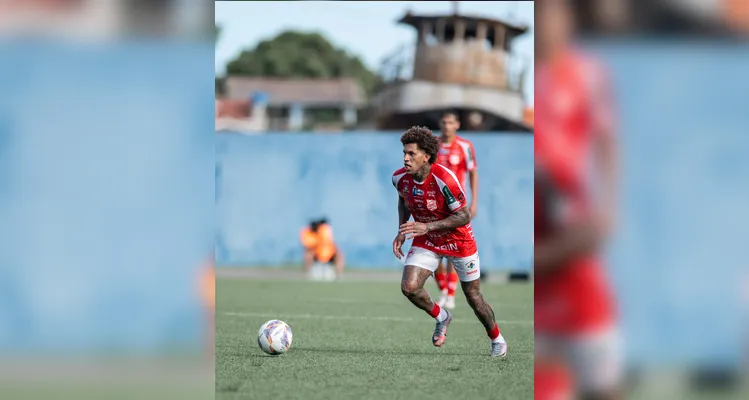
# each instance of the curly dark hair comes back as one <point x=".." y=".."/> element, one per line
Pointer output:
<point x="424" y="139"/>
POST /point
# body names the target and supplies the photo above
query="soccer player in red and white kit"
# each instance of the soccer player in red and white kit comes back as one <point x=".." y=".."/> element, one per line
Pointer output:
<point x="432" y="194"/>
<point x="575" y="328"/>
<point x="457" y="154"/>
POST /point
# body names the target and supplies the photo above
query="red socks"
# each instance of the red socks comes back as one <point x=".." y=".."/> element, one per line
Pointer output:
<point x="435" y="311"/>
<point x="441" y="280"/>
<point x="447" y="282"/>
<point x="452" y="283"/>
<point x="493" y="333"/>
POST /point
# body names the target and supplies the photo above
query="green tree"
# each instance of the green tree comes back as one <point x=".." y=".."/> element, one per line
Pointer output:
<point x="294" y="54"/>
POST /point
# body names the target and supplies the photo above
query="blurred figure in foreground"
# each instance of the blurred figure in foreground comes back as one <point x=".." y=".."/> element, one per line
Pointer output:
<point x="320" y="247"/>
<point x="576" y="329"/>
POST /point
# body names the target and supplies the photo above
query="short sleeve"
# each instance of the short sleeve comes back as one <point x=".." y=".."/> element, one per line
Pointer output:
<point x="471" y="164"/>
<point x="307" y="238"/>
<point x="325" y="233"/>
<point x="451" y="190"/>
<point x="397" y="176"/>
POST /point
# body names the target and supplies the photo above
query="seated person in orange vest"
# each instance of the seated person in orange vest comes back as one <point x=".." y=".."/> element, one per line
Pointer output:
<point x="319" y="246"/>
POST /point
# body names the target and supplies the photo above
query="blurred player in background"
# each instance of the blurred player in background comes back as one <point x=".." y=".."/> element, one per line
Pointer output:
<point x="320" y="247"/>
<point x="441" y="229"/>
<point x="575" y="317"/>
<point x="457" y="154"/>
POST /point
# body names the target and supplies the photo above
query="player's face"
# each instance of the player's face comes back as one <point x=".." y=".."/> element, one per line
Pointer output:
<point x="449" y="124"/>
<point x="555" y="24"/>
<point x="414" y="158"/>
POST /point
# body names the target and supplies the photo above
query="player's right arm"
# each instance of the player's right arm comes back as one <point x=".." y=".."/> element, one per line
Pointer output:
<point x="403" y="215"/>
<point x="403" y="212"/>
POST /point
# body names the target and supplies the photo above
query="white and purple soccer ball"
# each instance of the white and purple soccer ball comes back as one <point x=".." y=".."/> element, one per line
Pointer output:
<point x="274" y="337"/>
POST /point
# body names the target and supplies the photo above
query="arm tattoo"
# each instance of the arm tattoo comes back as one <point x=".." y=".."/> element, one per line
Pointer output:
<point x="456" y="219"/>
<point x="403" y="213"/>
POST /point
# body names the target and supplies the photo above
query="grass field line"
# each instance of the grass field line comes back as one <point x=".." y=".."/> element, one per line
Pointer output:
<point x="360" y="318"/>
<point x="398" y="302"/>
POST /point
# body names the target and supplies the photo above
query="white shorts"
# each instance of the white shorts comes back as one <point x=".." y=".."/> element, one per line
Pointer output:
<point x="468" y="268"/>
<point x="595" y="360"/>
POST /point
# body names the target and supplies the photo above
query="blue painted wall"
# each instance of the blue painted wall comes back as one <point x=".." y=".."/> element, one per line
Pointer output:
<point x="269" y="186"/>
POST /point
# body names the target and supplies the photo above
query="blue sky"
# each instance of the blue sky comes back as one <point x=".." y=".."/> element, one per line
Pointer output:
<point x="365" y="28"/>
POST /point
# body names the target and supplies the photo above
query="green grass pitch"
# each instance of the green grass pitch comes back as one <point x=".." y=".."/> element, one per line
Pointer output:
<point x="364" y="340"/>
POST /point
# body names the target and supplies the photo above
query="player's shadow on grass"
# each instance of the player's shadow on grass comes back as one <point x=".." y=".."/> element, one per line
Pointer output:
<point x="435" y="352"/>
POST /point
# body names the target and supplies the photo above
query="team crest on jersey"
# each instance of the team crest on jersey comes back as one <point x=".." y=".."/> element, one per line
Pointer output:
<point x="454" y="159"/>
<point x="431" y="205"/>
<point x="405" y="189"/>
<point x="417" y="192"/>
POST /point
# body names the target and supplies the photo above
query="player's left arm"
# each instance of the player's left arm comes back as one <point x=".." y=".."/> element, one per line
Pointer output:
<point x="457" y="219"/>
<point x="605" y="148"/>
<point x="456" y="201"/>
<point x="473" y="179"/>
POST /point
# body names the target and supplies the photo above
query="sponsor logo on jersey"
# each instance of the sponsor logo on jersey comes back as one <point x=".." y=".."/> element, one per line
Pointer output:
<point x="431" y="205"/>
<point x="444" y="151"/>
<point x="448" y="195"/>
<point x="431" y="193"/>
<point x="471" y="265"/>
<point x="417" y="192"/>
<point x="444" y="247"/>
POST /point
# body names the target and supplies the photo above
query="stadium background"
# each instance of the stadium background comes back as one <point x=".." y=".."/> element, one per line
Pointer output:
<point x="269" y="186"/>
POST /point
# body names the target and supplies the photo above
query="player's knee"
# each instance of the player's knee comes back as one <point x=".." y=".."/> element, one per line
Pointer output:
<point x="474" y="297"/>
<point x="409" y="288"/>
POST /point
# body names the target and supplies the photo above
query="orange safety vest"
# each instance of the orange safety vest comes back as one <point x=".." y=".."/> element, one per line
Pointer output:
<point x="321" y="242"/>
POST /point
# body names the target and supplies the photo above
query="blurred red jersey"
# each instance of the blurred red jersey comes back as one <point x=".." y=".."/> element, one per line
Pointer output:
<point x="459" y="157"/>
<point x="432" y="200"/>
<point x="573" y="105"/>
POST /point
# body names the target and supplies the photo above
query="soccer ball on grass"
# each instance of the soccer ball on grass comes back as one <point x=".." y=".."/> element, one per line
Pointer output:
<point x="274" y="337"/>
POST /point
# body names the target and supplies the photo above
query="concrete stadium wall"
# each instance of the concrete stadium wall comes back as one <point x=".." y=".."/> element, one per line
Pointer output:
<point x="269" y="186"/>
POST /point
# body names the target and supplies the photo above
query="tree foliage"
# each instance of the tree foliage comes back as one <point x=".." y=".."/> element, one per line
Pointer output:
<point x="293" y="54"/>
